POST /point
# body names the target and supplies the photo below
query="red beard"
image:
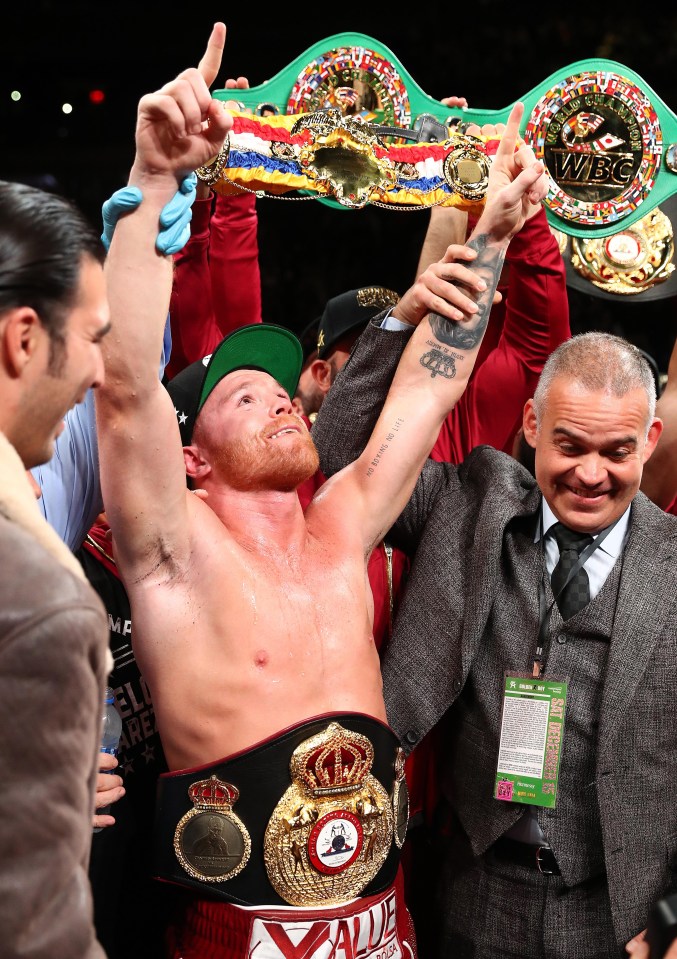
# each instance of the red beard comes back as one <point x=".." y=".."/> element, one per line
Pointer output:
<point x="250" y="465"/>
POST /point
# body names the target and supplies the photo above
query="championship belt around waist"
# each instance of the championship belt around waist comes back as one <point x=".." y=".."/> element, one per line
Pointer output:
<point x="315" y="815"/>
<point x="346" y="123"/>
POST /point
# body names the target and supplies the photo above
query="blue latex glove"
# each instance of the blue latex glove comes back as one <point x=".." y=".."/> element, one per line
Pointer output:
<point x="174" y="219"/>
<point x="122" y="201"/>
<point x="176" y="216"/>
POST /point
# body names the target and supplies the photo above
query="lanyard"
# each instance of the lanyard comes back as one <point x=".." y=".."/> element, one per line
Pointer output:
<point x="545" y="611"/>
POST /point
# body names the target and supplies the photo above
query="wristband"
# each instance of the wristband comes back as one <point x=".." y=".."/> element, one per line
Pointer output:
<point x="175" y="218"/>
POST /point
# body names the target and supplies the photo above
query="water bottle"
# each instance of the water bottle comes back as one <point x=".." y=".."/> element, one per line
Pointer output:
<point x="111" y="730"/>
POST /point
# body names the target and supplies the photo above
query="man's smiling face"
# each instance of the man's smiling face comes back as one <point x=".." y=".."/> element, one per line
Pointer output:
<point x="252" y="437"/>
<point x="591" y="447"/>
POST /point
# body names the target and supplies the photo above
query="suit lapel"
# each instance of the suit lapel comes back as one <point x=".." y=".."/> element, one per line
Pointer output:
<point x="486" y="560"/>
<point x="644" y="604"/>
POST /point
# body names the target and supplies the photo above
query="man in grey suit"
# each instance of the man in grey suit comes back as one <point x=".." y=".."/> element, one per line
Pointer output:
<point x="575" y="880"/>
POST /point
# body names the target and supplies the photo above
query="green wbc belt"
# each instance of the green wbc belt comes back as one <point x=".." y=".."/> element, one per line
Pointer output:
<point x="345" y="123"/>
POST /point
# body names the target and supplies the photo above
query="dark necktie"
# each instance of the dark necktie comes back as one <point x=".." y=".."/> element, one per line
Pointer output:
<point x="577" y="593"/>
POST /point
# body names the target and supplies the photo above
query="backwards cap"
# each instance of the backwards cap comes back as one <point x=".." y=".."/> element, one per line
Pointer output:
<point x="260" y="346"/>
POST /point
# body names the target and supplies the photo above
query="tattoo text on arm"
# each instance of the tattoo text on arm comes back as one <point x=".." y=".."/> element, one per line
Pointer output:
<point x="440" y="360"/>
<point x="389" y="437"/>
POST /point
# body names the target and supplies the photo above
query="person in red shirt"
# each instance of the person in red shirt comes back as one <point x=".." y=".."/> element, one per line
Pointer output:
<point x="528" y="321"/>
<point x="660" y="481"/>
<point x="531" y="319"/>
<point x="217" y="279"/>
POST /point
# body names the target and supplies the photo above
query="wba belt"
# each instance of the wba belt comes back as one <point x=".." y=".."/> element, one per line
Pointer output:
<point x="316" y="814"/>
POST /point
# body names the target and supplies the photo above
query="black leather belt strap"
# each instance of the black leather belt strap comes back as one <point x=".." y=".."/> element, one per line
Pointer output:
<point x="529" y="855"/>
<point x="261" y="775"/>
<point x="426" y="130"/>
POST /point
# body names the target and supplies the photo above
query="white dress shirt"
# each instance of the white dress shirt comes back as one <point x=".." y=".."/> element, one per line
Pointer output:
<point x="599" y="565"/>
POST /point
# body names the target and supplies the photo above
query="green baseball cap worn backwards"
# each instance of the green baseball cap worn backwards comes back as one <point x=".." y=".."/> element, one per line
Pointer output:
<point x="260" y="346"/>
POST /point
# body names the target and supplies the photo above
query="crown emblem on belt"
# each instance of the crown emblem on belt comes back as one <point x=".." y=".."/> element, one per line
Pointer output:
<point x="213" y="793"/>
<point x="339" y="763"/>
<point x="331" y="831"/>
<point x="210" y="841"/>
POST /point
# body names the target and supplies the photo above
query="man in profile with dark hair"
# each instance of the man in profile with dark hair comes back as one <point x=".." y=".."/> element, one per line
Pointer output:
<point x="307" y="399"/>
<point x="53" y="631"/>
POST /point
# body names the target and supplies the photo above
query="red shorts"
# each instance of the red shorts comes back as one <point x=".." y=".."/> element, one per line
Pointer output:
<point x="375" y="927"/>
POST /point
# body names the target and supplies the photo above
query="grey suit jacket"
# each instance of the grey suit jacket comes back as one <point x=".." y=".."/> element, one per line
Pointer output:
<point x="453" y="529"/>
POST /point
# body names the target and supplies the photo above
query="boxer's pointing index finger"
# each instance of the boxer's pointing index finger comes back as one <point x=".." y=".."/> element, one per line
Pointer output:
<point x="210" y="64"/>
<point x="511" y="132"/>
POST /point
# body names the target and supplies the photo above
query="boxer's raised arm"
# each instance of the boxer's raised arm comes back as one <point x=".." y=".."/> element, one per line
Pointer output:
<point x="438" y="360"/>
<point x="179" y="127"/>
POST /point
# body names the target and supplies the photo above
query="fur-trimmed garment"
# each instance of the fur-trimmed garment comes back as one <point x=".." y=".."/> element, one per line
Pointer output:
<point x="18" y="504"/>
<point x="53" y="644"/>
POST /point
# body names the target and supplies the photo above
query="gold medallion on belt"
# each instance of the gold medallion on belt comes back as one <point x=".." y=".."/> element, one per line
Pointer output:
<point x="630" y="261"/>
<point x="211" y="842"/>
<point x="331" y="831"/>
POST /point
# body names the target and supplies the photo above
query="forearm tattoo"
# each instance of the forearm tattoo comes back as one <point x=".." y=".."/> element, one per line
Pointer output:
<point x="466" y="335"/>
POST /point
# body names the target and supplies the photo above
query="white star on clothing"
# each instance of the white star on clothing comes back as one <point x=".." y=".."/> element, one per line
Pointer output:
<point x="182" y="418"/>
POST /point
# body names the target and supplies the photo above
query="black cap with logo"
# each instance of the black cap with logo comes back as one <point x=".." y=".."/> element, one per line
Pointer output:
<point x="349" y="311"/>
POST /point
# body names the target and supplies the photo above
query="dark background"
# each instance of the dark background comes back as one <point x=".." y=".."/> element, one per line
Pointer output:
<point x="486" y="51"/>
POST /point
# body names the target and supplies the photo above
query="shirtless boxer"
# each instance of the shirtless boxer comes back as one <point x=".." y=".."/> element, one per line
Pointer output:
<point x="253" y="619"/>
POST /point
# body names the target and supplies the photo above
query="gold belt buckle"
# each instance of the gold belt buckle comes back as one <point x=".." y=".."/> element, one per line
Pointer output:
<point x="332" y="829"/>
<point x="539" y="862"/>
